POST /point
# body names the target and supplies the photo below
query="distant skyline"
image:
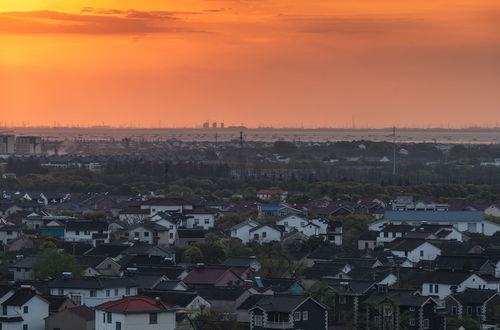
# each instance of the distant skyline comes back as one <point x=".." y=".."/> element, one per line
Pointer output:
<point x="339" y="64"/>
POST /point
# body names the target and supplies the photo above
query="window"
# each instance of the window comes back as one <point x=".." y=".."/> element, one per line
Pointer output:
<point x="207" y="221"/>
<point x="9" y="232"/>
<point x="258" y="320"/>
<point x="25" y="309"/>
<point x="264" y="234"/>
<point x="426" y="324"/>
<point x="430" y="288"/>
<point x="116" y="292"/>
<point x="136" y="234"/>
<point x="103" y="317"/>
<point x="412" y="322"/>
<point x="108" y="293"/>
<point x="25" y="327"/>
<point x="77" y="232"/>
<point x="146" y="234"/>
<point x="118" y="326"/>
<point x="305" y="315"/>
<point x="109" y="317"/>
<point x="436" y="288"/>
<point x="4" y="307"/>
<point x="153" y="318"/>
<point x="478" y="310"/>
<point x="93" y="293"/>
<point x="127" y="291"/>
<point x="296" y="316"/>
<point x="454" y="310"/>
<point x="469" y="310"/>
<point x="171" y="235"/>
<point x="421" y="253"/>
<point x="196" y="221"/>
<point x="412" y="309"/>
<point x="77" y="299"/>
<point x="61" y="292"/>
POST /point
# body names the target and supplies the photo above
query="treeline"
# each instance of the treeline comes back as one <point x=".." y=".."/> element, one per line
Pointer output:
<point x="165" y="169"/>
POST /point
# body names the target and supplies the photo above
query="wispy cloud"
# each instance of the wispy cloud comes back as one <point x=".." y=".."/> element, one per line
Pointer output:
<point x="94" y="21"/>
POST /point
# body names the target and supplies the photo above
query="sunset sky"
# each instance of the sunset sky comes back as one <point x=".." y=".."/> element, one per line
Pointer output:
<point x="371" y="63"/>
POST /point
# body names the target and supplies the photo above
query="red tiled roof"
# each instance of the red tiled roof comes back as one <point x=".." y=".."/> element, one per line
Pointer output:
<point x="134" y="304"/>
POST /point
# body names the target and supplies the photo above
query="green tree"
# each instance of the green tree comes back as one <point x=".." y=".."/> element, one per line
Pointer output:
<point x="353" y="226"/>
<point x="466" y="322"/>
<point x="51" y="263"/>
<point x="192" y="254"/>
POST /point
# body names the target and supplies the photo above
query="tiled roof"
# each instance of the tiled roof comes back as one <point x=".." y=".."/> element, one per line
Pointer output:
<point x="135" y="304"/>
<point x="84" y="311"/>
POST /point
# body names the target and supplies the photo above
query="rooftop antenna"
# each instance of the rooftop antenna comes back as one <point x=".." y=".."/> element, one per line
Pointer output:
<point x="394" y="149"/>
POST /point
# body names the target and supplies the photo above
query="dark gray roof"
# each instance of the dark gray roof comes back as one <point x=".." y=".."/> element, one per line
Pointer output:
<point x="93" y="283"/>
<point x="406" y="244"/>
<point x="239" y="261"/>
<point x="176" y="298"/>
<point x="107" y="250"/>
<point x="86" y="225"/>
<point x="474" y="296"/>
<point x="350" y="287"/>
<point x="19" y="299"/>
<point x="220" y="293"/>
<point x="400" y="297"/>
<point x="190" y="233"/>
<point x="282" y="303"/>
<point x="250" y="301"/>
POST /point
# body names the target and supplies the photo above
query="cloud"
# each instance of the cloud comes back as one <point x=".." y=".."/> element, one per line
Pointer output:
<point x="354" y="24"/>
<point x="94" y="21"/>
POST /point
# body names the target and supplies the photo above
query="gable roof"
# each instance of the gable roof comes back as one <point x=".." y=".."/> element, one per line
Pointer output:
<point x="407" y="244"/>
<point x="176" y="298"/>
<point x="135" y="304"/>
<point x="283" y="303"/>
<point x="83" y="311"/>
<point x="19" y="299"/>
<point x="209" y="275"/>
<point x="474" y="296"/>
<point x="93" y="283"/>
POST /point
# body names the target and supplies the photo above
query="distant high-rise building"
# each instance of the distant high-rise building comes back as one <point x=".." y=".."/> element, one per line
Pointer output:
<point x="28" y="145"/>
<point x="221" y="125"/>
<point x="214" y="124"/>
<point x="206" y="124"/>
<point x="7" y="143"/>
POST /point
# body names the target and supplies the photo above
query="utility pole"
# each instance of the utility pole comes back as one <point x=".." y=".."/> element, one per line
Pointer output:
<point x="394" y="149"/>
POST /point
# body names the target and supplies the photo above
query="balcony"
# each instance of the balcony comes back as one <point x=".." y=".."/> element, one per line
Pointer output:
<point x="278" y="325"/>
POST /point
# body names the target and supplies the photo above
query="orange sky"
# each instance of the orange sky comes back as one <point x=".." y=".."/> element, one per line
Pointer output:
<point x="258" y="62"/>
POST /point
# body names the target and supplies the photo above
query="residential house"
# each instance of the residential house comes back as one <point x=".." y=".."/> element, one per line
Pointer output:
<point x="463" y="221"/>
<point x="241" y="231"/>
<point x="387" y="308"/>
<point x="92" y="291"/>
<point x="478" y="304"/>
<point x="185" y="237"/>
<point x="200" y="217"/>
<point x="133" y="215"/>
<point x="390" y="232"/>
<point x="135" y="313"/>
<point x="368" y="240"/>
<point x="213" y="275"/>
<point x="149" y="232"/>
<point x="95" y="232"/>
<point x="278" y="211"/>
<point x="24" y="310"/>
<point x="9" y="232"/>
<point x="288" y="312"/>
<point x="79" y="317"/>
<point x="272" y="194"/>
<point x="414" y="250"/>
<point x="265" y="234"/>
<point x="443" y="283"/>
<point x="23" y="268"/>
<point x="158" y="205"/>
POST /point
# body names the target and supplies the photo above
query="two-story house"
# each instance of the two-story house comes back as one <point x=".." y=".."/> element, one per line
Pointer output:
<point x="23" y="310"/>
<point x="288" y="312"/>
<point x="95" y="232"/>
<point x="135" y="313"/>
<point x="92" y="291"/>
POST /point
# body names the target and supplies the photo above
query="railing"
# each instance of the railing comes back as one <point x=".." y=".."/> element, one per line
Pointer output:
<point x="278" y="325"/>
